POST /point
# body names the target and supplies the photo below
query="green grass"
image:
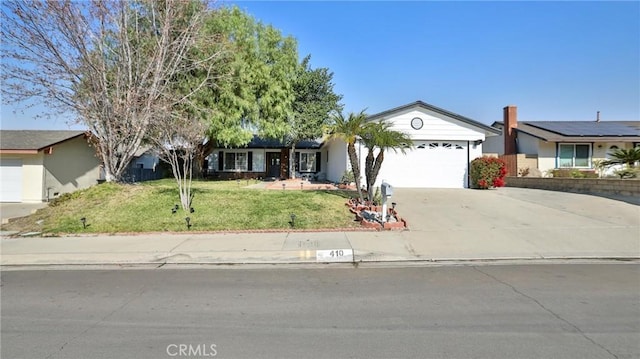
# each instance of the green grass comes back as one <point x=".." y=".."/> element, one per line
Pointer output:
<point x="219" y="206"/>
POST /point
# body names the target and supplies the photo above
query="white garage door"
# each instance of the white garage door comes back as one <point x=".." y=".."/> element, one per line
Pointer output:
<point x="431" y="164"/>
<point x="10" y="180"/>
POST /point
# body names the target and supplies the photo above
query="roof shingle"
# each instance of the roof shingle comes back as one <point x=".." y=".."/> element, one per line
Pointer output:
<point x="34" y="139"/>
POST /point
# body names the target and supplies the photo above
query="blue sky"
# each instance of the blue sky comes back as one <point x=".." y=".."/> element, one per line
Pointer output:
<point x="554" y="60"/>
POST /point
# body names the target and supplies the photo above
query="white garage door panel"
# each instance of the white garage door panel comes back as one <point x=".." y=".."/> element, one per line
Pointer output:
<point x="10" y="180"/>
<point x="432" y="164"/>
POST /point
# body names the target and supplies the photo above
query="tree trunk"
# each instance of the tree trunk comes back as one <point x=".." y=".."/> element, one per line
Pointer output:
<point x="368" y="168"/>
<point x="292" y="161"/>
<point x="376" y="167"/>
<point x="355" y="167"/>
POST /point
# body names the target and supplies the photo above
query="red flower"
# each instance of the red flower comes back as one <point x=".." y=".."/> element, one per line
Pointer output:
<point x="498" y="182"/>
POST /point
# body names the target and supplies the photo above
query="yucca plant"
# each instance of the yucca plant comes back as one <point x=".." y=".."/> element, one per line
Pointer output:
<point x="628" y="157"/>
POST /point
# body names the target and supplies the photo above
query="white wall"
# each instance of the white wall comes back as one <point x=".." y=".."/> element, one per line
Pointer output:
<point x="546" y="156"/>
<point x="336" y="159"/>
<point x="147" y="160"/>
<point x="434" y="128"/>
<point x="32" y="175"/>
<point x="527" y="144"/>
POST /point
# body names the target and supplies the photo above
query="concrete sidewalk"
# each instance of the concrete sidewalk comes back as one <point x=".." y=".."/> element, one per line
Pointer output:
<point x="445" y="225"/>
<point x="296" y="247"/>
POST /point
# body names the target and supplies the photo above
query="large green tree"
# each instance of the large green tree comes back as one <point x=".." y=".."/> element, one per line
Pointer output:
<point x="314" y="102"/>
<point x="349" y="130"/>
<point x="380" y="136"/>
<point x="258" y="70"/>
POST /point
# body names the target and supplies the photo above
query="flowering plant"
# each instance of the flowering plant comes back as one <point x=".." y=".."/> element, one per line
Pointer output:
<point x="487" y="172"/>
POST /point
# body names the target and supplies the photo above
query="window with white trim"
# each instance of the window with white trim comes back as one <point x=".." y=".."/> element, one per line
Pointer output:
<point x="574" y="155"/>
<point x="235" y="161"/>
<point x="307" y="162"/>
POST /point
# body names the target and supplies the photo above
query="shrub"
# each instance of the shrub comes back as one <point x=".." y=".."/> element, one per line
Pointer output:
<point x="572" y="173"/>
<point x="487" y="172"/>
<point x="348" y="177"/>
<point x="629" y="172"/>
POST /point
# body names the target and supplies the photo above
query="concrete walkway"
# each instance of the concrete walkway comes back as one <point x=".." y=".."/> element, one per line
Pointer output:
<point x="445" y="225"/>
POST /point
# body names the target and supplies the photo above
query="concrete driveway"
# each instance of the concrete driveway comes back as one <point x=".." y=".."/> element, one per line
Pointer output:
<point x="15" y="210"/>
<point x="535" y="220"/>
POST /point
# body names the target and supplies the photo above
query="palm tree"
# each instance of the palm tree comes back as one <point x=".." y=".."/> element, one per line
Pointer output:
<point x="621" y="156"/>
<point x="349" y="130"/>
<point x="380" y="135"/>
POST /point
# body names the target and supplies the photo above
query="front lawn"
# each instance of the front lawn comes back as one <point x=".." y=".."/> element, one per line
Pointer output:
<point x="219" y="206"/>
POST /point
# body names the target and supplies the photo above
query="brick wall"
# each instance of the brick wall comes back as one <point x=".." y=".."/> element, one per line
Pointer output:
<point x="609" y="186"/>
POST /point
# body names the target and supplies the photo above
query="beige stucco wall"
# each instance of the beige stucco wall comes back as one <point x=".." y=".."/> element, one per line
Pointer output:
<point x="73" y="165"/>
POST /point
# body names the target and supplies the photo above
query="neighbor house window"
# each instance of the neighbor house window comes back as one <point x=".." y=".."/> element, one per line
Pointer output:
<point x="235" y="161"/>
<point x="574" y="155"/>
<point x="307" y="162"/>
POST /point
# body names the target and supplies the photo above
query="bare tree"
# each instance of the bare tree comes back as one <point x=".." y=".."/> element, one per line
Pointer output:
<point x="112" y="63"/>
<point x="177" y="139"/>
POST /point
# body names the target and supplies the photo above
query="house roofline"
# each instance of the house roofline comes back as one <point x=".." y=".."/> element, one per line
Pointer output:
<point x="84" y="134"/>
<point x="434" y="109"/>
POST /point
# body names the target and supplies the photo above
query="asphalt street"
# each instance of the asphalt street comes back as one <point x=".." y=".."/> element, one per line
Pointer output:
<point x="526" y="311"/>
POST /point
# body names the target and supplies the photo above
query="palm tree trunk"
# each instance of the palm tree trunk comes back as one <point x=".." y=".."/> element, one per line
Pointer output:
<point x="355" y="167"/>
<point x="368" y="172"/>
<point x="376" y="167"/>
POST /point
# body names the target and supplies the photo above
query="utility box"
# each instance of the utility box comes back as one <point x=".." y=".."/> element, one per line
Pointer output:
<point x="386" y="189"/>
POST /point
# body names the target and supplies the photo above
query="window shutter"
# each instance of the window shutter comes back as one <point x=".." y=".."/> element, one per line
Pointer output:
<point x="318" y="162"/>
<point x="220" y="161"/>
<point x="297" y="164"/>
<point x="250" y="161"/>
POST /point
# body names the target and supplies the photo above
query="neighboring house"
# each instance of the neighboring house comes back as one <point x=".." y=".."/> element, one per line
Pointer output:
<point x="263" y="158"/>
<point x="538" y="147"/>
<point x="144" y="166"/>
<point x="36" y="166"/>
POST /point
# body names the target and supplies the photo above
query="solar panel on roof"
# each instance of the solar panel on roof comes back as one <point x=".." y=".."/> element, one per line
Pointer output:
<point x="584" y="128"/>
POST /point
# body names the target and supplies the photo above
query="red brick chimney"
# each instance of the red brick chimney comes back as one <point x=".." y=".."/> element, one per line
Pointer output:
<point x="510" y="116"/>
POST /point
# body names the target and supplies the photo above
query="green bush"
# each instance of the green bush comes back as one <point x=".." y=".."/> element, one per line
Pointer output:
<point x="629" y="172"/>
<point x="487" y="172"/>
<point x="348" y="177"/>
<point x="573" y="173"/>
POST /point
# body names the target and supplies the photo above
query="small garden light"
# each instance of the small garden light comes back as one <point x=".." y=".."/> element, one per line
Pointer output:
<point x="84" y="222"/>
<point x="293" y="220"/>
<point x="301" y="185"/>
<point x="188" y="219"/>
<point x="283" y="186"/>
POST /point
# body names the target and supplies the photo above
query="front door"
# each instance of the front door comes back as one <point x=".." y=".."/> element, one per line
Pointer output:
<point x="273" y="164"/>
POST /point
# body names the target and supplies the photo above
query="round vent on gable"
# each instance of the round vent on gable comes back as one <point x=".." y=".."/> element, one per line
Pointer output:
<point x="416" y="123"/>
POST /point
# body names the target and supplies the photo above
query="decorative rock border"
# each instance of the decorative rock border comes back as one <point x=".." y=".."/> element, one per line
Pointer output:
<point x="360" y="211"/>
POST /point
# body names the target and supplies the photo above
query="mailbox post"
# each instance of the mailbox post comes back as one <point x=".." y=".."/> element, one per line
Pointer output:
<point x="386" y="191"/>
